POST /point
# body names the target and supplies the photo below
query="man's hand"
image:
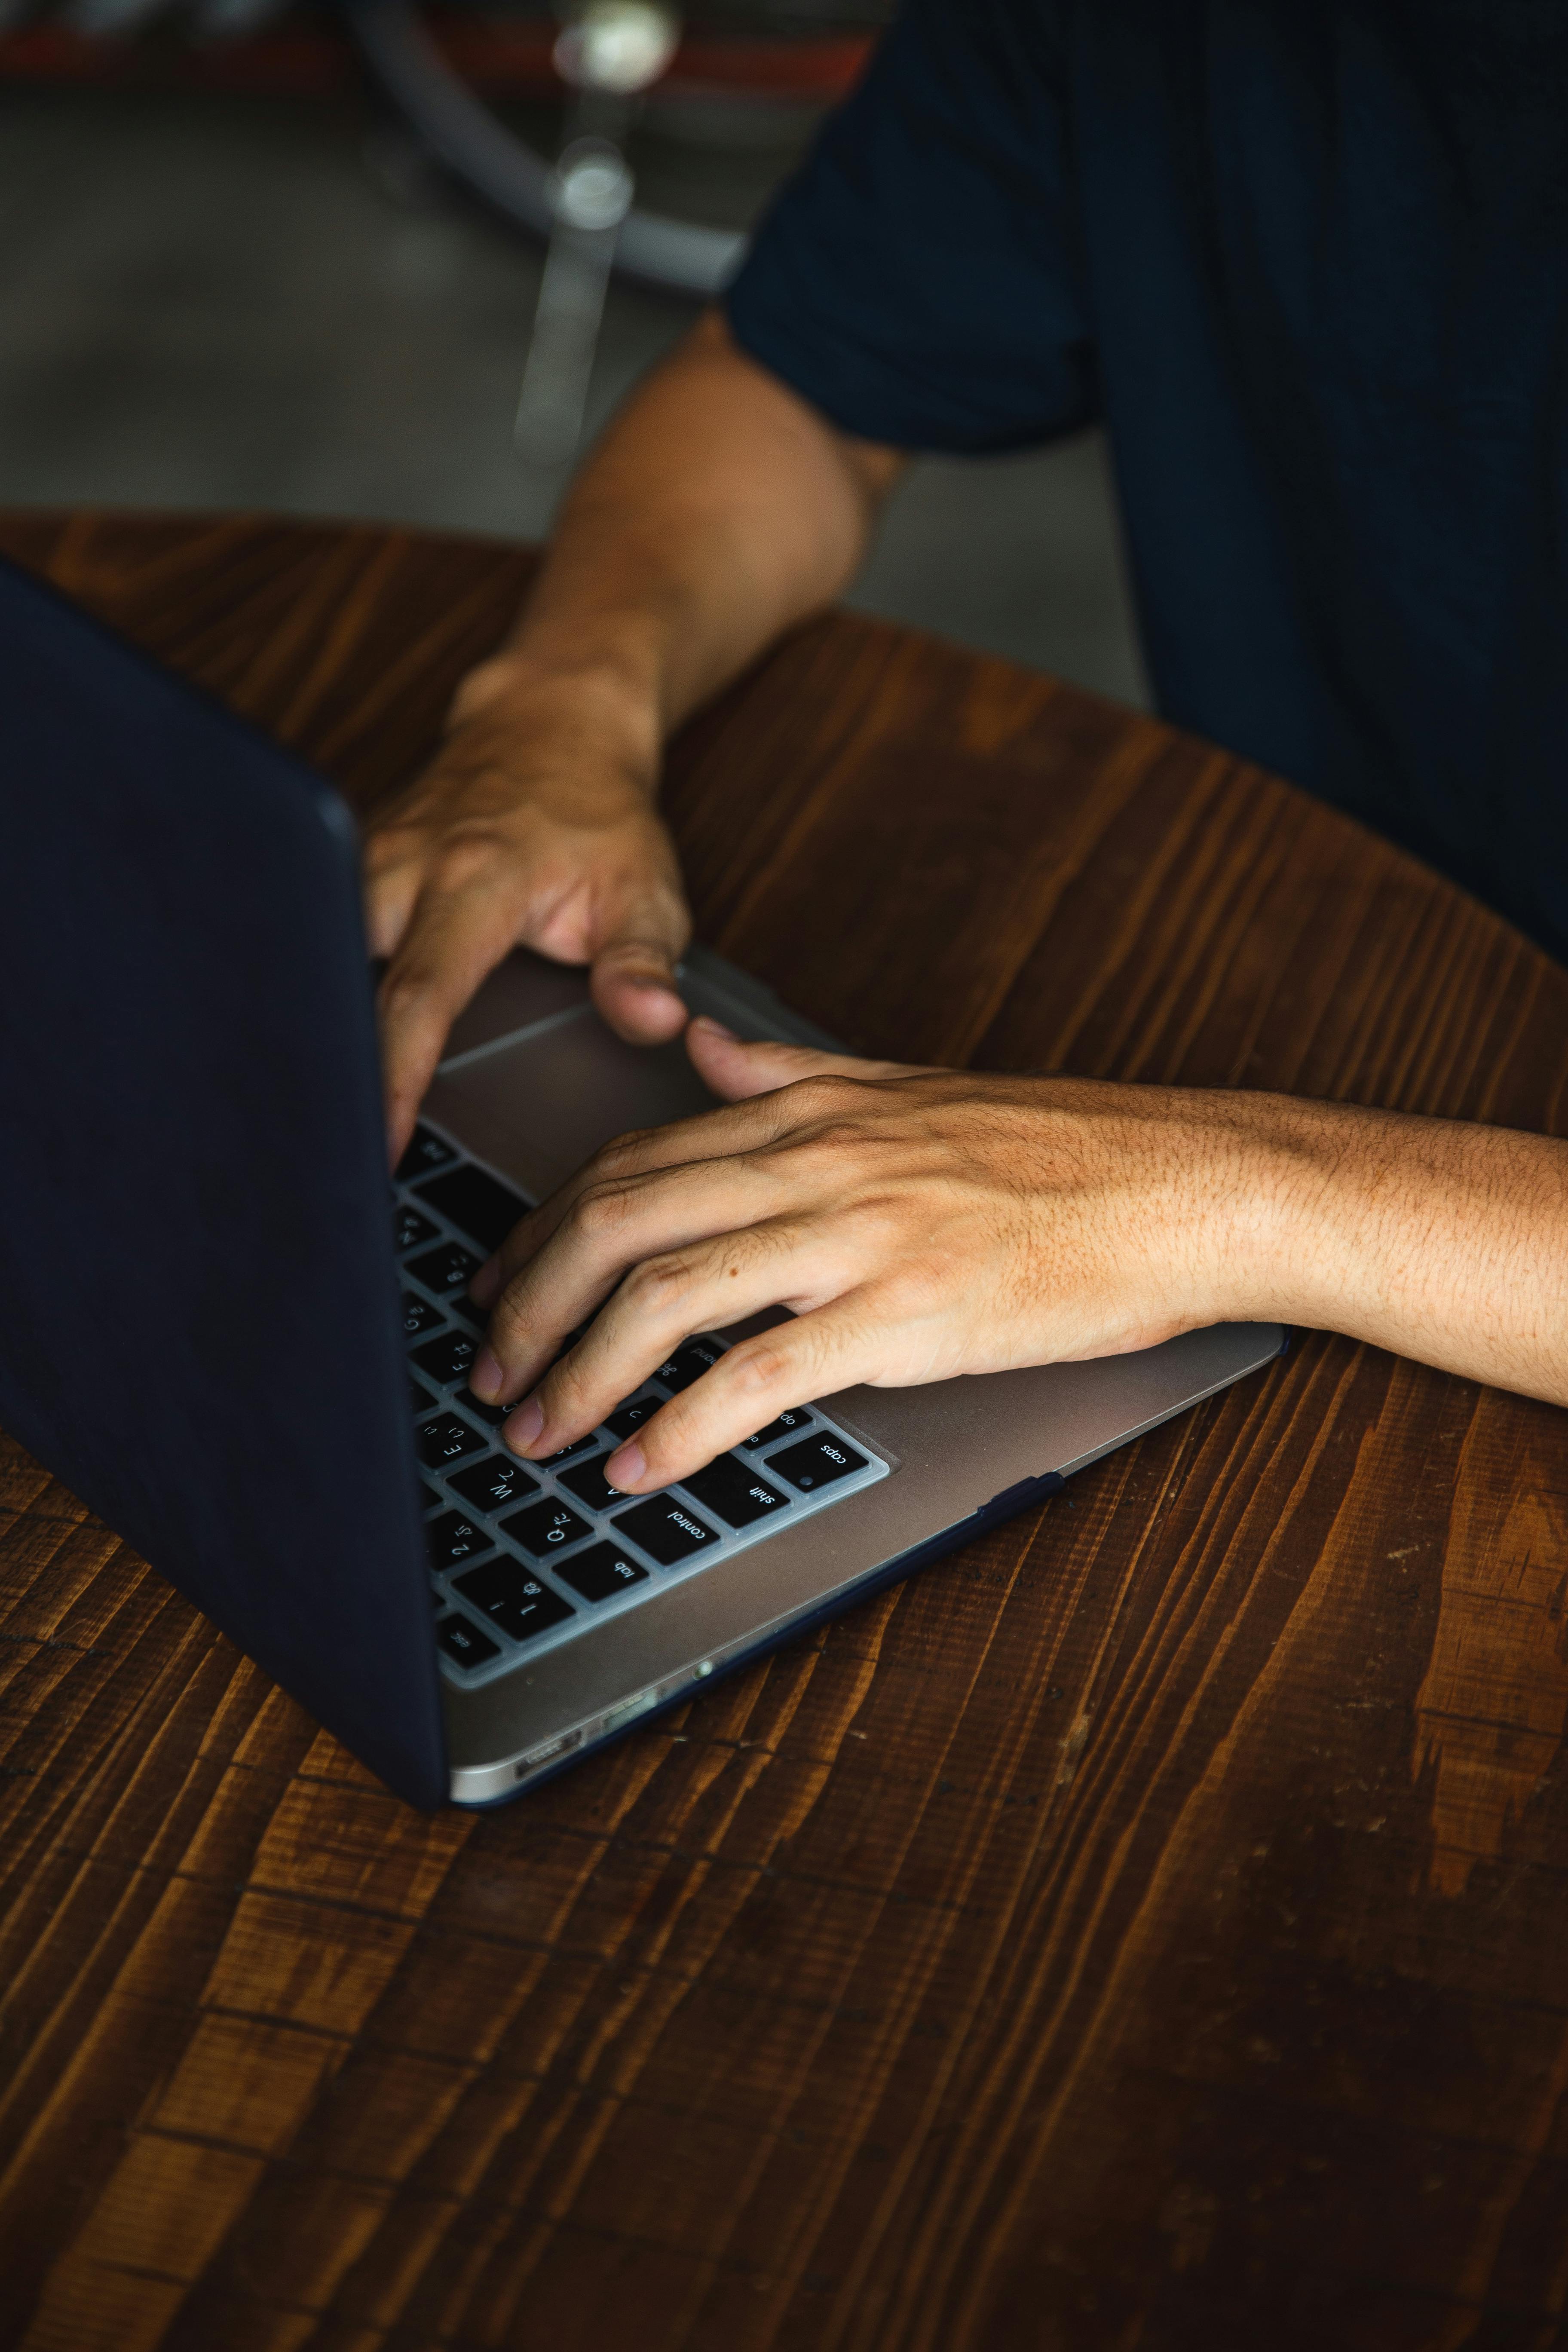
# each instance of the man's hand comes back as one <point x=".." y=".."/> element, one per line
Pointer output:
<point x="926" y="1222"/>
<point x="920" y="1223"/>
<point x="536" y="826"/>
<point x="718" y="510"/>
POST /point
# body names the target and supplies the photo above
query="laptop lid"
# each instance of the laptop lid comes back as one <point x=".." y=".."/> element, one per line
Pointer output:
<point x="197" y="1296"/>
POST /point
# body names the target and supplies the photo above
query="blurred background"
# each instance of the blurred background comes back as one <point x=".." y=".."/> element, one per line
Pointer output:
<point x="257" y="254"/>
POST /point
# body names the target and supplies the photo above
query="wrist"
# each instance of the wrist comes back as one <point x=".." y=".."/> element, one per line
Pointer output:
<point x="1253" y="1181"/>
<point x="592" y="718"/>
<point x="1319" y="1232"/>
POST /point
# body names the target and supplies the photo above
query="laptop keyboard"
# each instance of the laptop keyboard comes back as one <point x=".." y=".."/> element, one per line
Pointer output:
<point x="524" y="1555"/>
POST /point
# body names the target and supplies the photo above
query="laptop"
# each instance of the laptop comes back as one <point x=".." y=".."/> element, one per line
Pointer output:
<point x="225" y="1335"/>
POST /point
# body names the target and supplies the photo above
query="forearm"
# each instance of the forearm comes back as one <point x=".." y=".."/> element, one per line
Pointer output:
<point x="718" y="510"/>
<point x="1438" y="1239"/>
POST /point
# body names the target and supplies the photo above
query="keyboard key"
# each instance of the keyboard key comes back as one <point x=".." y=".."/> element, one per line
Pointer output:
<point x="450" y="1267"/>
<point x="689" y="1363"/>
<point x="409" y="1229"/>
<point x="512" y="1599"/>
<point x="492" y="1484"/>
<point x="564" y="1453"/>
<point x="496" y="1414"/>
<point x="545" y="1527"/>
<point x="600" y="1572"/>
<point x="418" y="1316"/>
<point x="446" y="1439"/>
<point x="478" y="1319"/>
<point x="788" y="1424"/>
<point x="426" y="1152"/>
<point x="588" y="1483"/>
<point x="667" y="1531"/>
<point x="626" y="1418"/>
<point x="452" y="1539"/>
<point x="817" y="1463"/>
<point x="491" y="1415"/>
<point x="464" y="1643"/>
<point x="479" y="1204"/>
<point x="447" y="1359"/>
<point x="733" y="1489"/>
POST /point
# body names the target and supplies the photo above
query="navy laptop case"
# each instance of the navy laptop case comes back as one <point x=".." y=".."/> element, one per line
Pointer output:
<point x="198" y="1327"/>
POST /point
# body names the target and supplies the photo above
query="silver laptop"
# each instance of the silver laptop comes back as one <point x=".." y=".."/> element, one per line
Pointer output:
<point x="200" y="1332"/>
<point x="567" y="1612"/>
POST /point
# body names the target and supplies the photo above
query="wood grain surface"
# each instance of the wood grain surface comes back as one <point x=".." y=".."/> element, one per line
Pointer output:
<point x="1146" y="1929"/>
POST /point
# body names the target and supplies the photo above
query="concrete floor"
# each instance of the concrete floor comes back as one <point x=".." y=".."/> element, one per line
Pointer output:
<point x="216" y="301"/>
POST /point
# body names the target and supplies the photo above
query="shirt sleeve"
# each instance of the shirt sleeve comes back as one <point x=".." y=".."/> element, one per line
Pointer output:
<point x="919" y="279"/>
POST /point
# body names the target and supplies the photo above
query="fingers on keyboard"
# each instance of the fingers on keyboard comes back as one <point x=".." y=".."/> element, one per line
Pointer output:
<point x="577" y="1534"/>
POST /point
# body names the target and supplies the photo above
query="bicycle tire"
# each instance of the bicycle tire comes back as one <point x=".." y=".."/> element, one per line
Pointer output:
<point x="457" y="128"/>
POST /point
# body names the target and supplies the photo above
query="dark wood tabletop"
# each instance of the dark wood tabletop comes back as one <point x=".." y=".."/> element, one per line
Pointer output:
<point x="1147" y="1929"/>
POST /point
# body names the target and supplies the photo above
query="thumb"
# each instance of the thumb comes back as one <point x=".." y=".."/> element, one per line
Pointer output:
<point x="733" y="1068"/>
<point x="634" y="986"/>
<point x="633" y="980"/>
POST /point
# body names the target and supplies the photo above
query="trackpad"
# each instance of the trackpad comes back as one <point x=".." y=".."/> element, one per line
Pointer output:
<point x="538" y="1108"/>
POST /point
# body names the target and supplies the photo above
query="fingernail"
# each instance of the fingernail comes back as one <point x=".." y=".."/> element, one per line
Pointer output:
<point x="625" y="1468"/>
<point x="485" y="1377"/>
<point x="485" y="1284"/>
<point x="706" y="1021"/>
<point x="522" y="1427"/>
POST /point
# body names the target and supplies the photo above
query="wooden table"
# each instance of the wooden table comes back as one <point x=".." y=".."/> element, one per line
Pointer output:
<point x="1149" y="1928"/>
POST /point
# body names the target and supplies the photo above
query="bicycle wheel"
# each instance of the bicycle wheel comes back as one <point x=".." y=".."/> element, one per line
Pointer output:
<point x="745" y="53"/>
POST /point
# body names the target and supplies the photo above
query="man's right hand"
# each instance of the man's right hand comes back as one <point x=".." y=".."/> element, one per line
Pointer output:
<point x="535" y="824"/>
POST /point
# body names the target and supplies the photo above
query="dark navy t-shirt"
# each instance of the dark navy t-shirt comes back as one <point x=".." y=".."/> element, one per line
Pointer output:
<point x="1309" y="260"/>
